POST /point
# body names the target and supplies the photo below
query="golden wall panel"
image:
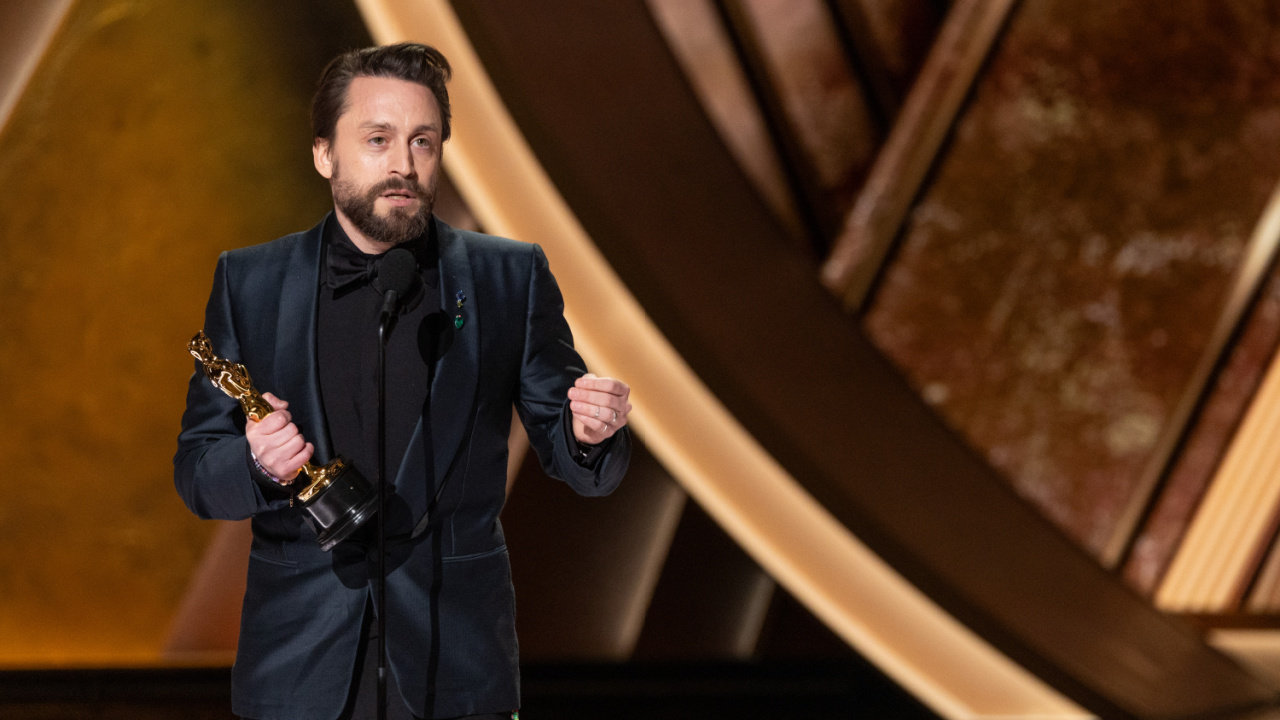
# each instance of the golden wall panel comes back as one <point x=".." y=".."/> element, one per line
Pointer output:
<point x="152" y="136"/>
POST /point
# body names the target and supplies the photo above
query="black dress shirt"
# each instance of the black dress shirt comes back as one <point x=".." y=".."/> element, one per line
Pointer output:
<point x="347" y="348"/>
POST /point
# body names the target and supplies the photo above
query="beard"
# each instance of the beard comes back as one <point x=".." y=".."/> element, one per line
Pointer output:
<point x="399" y="225"/>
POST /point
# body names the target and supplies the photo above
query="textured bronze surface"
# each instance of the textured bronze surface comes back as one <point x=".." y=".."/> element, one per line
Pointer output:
<point x="1059" y="277"/>
<point x="153" y="136"/>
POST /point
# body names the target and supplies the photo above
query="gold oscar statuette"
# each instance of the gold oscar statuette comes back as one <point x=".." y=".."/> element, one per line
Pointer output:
<point x="335" y="497"/>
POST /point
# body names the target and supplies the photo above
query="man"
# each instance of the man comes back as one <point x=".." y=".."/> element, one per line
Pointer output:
<point x="482" y="330"/>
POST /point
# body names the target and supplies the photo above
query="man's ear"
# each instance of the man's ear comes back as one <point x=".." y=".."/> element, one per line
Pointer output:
<point x="320" y="153"/>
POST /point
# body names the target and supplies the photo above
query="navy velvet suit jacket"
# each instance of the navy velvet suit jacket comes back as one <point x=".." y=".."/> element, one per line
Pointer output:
<point x="451" y="608"/>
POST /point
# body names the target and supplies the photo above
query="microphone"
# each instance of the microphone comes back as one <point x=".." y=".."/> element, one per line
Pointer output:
<point x="396" y="272"/>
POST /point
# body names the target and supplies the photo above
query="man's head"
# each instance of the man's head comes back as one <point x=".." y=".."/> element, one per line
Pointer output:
<point x="379" y="119"/>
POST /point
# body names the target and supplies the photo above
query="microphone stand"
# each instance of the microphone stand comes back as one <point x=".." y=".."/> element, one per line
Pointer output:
<point x="384" y="327"/>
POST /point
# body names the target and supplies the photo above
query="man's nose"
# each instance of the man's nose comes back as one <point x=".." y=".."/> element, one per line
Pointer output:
<point x="402" y="161"/>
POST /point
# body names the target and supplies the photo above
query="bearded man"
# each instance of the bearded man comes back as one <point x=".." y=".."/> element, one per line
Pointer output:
<point x="482" y="330"/>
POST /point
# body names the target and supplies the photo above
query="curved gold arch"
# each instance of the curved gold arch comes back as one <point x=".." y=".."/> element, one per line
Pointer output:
<point x="836" y="576"/>
<point x="26" y="30"/>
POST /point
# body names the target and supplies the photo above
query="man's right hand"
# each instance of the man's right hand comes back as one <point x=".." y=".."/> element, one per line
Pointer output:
<point x="276" y="442"/>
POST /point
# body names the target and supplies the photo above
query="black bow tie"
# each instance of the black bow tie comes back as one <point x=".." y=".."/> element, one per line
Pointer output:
<point x="350" y="269"/>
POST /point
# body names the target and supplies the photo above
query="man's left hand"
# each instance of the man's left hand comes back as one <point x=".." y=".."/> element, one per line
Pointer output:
<point x="599" y="406"/>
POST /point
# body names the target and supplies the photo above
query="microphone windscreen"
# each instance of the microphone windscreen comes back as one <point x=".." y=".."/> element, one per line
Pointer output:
<point x="396" y="271"/>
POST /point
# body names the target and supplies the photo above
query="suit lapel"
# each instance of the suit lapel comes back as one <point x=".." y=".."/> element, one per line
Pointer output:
<point x="453" y="390"/>
<point x="296" y="361"/>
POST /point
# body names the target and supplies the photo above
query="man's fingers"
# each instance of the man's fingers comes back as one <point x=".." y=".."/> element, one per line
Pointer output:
<point x="273" y="423"/>
<point x="276" y="442"/>
<point x="603" y="412"/>
<point x="283" y="462"/>
<point x="290" y="447"/>
<point x="277" y="454"/>
<point x="270" y="443"/>
<point x="611" y="413"/>
<point x="270" y="431"/>
<point x="276" y="403"/>
<point x="591" y="423"/>
<point x="595" y="397"/>
<point x="604" y="385"/>
<point x="295" y="463"/>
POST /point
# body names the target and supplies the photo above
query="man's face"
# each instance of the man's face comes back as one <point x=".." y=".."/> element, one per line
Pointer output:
<point x="384" y="161"/>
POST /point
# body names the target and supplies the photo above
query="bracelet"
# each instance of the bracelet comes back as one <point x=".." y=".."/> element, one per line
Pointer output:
<point x="263" y="470"/>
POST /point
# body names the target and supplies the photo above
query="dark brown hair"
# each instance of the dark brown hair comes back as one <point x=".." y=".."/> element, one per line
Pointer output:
<point x="413" y="62"/>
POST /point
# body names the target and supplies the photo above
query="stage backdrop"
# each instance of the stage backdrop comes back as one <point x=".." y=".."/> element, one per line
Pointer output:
<point x="152" y="136"/>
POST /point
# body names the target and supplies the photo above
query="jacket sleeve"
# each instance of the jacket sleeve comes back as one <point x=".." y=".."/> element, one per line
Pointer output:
<point x="549" y="367"/>
<point x="211" y="469"/>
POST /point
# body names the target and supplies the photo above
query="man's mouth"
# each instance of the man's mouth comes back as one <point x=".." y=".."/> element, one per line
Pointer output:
<point x="399" y="196"/>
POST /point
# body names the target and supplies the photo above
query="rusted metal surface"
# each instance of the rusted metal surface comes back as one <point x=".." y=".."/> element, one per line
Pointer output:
<point x="1061" y="277"/>
<point x="871" y="227"/>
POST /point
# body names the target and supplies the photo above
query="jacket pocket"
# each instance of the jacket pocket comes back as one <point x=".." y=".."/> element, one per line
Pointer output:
<point x="474" y="556"/>
<point x="255" y="555"/>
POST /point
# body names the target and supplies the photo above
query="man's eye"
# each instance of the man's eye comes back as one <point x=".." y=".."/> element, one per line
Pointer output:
<point x="422" y="142"/>
<point x="378" y="140"/>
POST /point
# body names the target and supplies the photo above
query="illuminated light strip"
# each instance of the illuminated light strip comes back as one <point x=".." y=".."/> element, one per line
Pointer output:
<point x="1216" y="558"/>
<point x="845" y="584"/>
<point x="29" y="37"/>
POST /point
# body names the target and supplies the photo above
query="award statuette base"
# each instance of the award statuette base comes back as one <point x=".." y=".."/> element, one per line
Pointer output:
<point x="340" y="506"/>
<point x="336" y="499"/>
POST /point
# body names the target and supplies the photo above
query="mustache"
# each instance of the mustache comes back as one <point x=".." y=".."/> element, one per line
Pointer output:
<point x="397" y="184"/>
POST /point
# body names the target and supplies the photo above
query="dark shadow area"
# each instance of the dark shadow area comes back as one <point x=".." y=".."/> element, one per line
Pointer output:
<point x="848" y="688"/>
<point x="116" y="694"/>
<point x="844" y="689"/>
